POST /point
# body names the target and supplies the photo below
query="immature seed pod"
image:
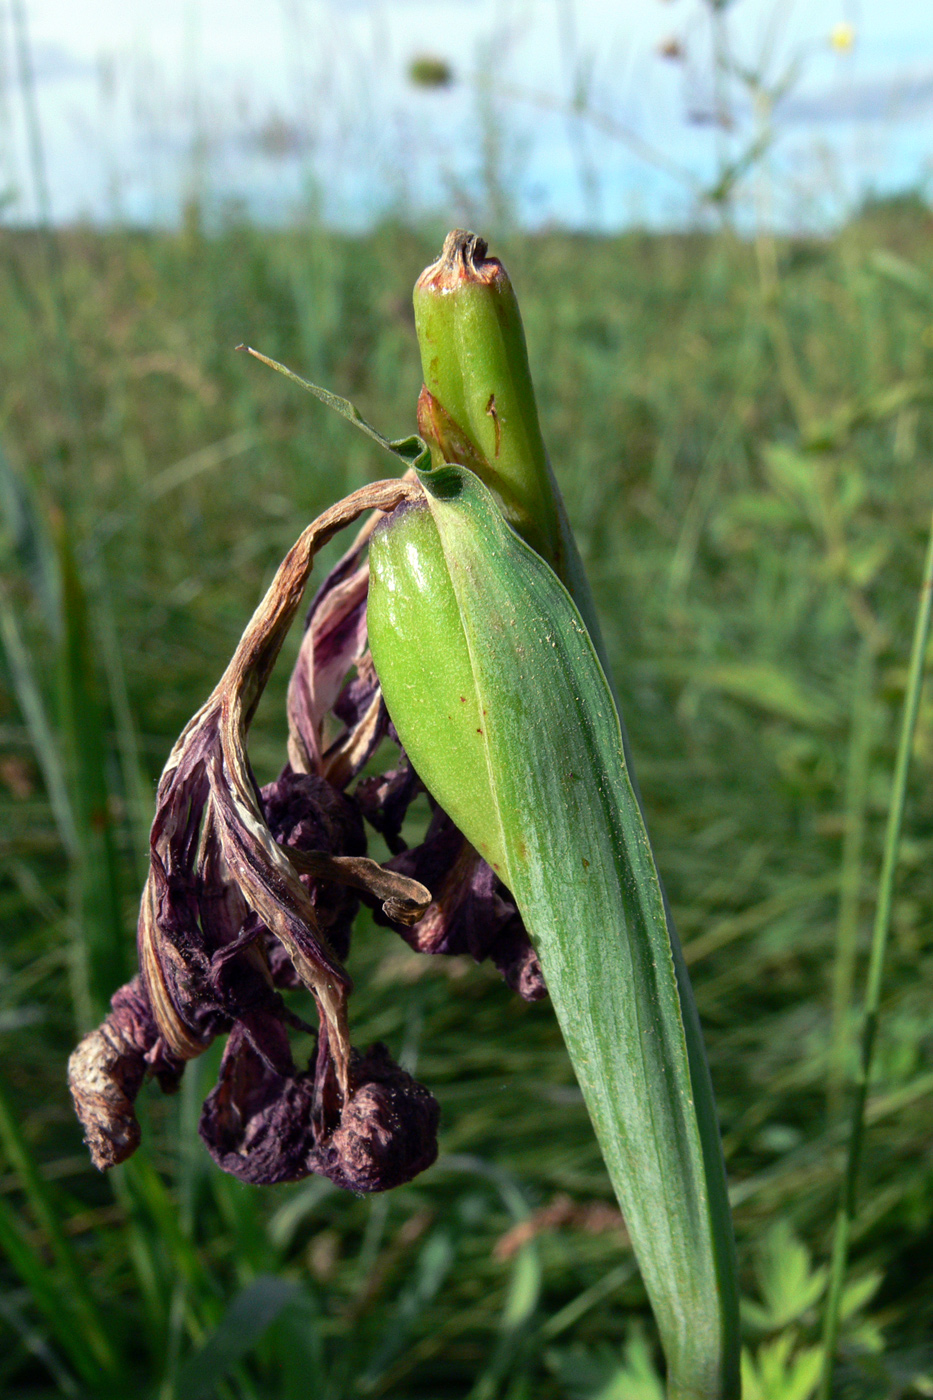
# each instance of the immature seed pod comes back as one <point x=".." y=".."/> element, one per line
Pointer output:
<point x="478" y="406"/>
<point x="478" y="409"/>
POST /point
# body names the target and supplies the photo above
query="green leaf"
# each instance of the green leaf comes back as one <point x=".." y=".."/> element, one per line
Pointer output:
<point x="778" y="1372"/>
<point x="859" y="1292"/>
<point x="597" y="1375"/>
<point x="786" y="1281"/>
<point x="242" y="1325"/>
<point x="497" y="693"/>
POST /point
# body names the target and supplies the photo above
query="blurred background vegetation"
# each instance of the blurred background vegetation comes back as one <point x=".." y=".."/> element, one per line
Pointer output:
<point x="742" y="429"/>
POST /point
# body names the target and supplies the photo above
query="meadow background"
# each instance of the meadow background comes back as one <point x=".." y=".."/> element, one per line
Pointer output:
<point x="738" y="408"/>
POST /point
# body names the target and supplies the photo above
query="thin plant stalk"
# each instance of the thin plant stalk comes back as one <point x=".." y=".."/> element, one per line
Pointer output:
<point x="850" y="883"/>
<point x="51" y="246"/>
<point x="847" y="1204"/>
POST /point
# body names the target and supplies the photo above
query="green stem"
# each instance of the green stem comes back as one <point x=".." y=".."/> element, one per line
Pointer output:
<point x="847" y="1204"/>
<point x="850" y="882"/>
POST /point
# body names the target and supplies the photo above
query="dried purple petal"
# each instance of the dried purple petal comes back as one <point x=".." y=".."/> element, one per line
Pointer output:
<point x="385" y="799"/>
<point x="257" y="1123"/>
<point x="305" y="813"/>
<point x="265" y="1126"/>
<point x="388" y="1129"/>
<point x="368" y="718"/>
<point x="472" y="911"/>
<point x="219" y="880"/>
<point x="334" y="641"/>
<point x="107" y="1070"/>
<point x="517" y="960"/>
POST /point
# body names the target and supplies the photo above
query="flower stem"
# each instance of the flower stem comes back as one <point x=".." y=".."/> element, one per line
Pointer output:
<point x="847" y="1203"/>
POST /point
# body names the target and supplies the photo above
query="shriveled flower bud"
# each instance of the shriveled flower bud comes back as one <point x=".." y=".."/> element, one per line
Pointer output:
<point x="388" y="1128"/>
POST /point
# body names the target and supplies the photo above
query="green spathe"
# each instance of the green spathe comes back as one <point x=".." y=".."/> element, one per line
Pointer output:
<point x="497" y="693"/>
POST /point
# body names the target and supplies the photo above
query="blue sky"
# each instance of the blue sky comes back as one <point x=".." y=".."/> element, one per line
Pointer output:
<point x="296" y="99"/>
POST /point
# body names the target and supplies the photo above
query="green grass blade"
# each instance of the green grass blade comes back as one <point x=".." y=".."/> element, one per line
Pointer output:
<point x="51" y="1301"/>
<point x="246" y="1320"/>
<point x="892" y="839"/>
<point x="499" y="697"/>
<point x="28" y="541"/>
<point x="48" y="1218"/>
<point x="104" y="961"/>
<point x="851" y="874"/>
<point x="515" y="1328"/>
<point x="34" y="1342"/>
<point x="44" y="741"/>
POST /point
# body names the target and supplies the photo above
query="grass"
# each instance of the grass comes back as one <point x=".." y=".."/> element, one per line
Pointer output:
<point x="743" y="436"/>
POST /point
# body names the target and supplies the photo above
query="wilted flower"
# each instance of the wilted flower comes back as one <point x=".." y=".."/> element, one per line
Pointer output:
<point x="254" y="891"/>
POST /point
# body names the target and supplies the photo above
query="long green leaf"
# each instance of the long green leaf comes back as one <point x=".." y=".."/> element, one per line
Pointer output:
<point x="45" y="1210"/>
<point x="248" y="1317"/>
<point x="499" y="697"/>
<point x="105" y="943"/>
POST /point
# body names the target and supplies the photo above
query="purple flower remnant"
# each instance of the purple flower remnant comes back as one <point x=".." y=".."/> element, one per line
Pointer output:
<point x="471" y="912"/>
<point x="253" y="892"/>
<point x="305" y="813"/>
<point x="268" y="1124"/>
<point x="235" y="873"/>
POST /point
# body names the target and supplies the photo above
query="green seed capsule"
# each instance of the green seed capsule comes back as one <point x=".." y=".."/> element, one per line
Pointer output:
<point x="478" y="406"/>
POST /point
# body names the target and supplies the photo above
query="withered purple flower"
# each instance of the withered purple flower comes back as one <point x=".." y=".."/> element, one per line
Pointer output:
<point x="254" y="891"/>
<point x="471" y="911"/>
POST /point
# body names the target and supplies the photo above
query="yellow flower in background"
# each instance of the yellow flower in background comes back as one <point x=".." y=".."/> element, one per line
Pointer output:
<point x="842" y="37"/>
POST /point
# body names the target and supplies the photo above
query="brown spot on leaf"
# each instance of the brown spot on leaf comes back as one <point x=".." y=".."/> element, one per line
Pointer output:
<point x="491" y="411"/>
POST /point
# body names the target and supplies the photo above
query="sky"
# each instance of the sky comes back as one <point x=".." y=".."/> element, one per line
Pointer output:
<point x="586" y="113"/>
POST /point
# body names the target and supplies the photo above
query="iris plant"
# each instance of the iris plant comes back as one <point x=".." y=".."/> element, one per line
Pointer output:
<point x="459" y="629"/>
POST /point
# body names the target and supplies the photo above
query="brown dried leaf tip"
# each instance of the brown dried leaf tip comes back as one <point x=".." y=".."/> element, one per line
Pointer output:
<point x="252" y="891"/>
